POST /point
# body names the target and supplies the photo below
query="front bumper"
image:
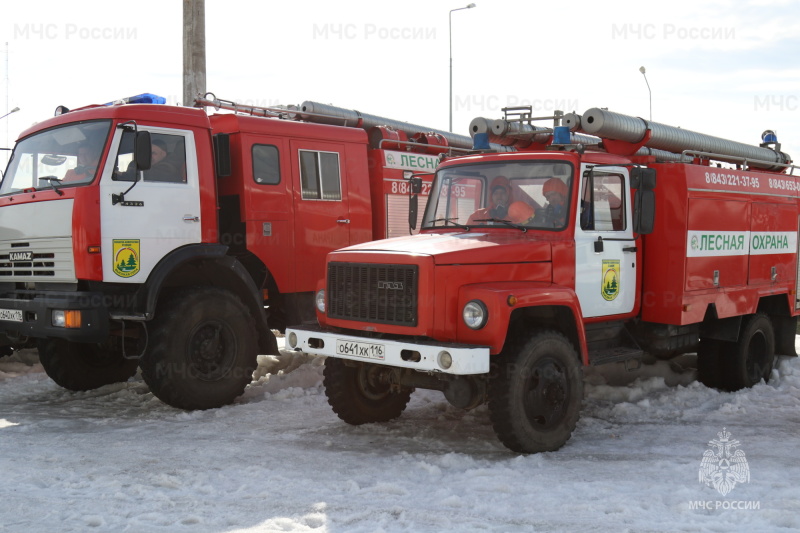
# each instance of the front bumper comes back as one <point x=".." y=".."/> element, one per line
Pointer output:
<point x="426" y="357"/>
<point x="36" y="312"/>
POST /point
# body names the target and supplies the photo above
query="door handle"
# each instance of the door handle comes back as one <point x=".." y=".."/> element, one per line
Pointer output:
<point x="191" y="218"/>
<point x="343" y="221"/>
<point x="630" y="249"/>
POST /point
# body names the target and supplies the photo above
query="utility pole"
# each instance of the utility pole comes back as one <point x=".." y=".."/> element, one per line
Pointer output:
<point x="8" y="142"/>
<point x="194" y="50"/>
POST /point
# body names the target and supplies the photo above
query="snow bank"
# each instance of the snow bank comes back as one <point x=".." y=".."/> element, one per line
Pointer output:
<point x="280" y="460"/>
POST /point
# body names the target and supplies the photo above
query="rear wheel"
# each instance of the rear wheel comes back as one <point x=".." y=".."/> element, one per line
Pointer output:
<point x="535" y="394"/>
<point x="204" y="349"/>
<point x="361" y="394"/>
<point x="748" y="361"/>
<point x="84" y="366"/>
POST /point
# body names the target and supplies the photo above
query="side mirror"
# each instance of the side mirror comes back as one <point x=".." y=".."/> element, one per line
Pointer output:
<point x="415" y="187"/>
<point x="142" y="151"/>
<point x="644" y="202"/>
<point x="643" y="178"/>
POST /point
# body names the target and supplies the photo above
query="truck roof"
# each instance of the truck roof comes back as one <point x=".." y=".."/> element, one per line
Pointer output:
<point x="230" y="123"/>
<point x="176" y="115"/>
<point x="194" y="117"/>
<point x="600" y="158"/>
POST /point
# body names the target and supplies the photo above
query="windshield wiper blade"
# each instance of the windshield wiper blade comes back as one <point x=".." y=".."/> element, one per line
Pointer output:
<point x="503" y="221"/>
<point x="53" y="180"/>
<point x="452" y="221"/>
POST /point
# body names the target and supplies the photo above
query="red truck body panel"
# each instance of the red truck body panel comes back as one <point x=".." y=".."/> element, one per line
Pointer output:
<point x="724" y="225"/>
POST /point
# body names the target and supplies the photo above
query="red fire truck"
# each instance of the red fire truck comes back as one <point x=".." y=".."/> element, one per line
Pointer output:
<point x="587" y="262"/>
<point x="136" y="234"/>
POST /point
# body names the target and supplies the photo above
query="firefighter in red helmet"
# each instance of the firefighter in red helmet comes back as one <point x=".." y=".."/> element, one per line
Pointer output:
<point x="554" y="214"/>
<point x="499" y="198"/>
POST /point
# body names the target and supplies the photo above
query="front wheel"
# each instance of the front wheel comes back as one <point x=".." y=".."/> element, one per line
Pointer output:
<point x="360" y="394"/>
<point x="82" y="366"/>
<point x="204" y="349"/>
<point x="535" y="394"/>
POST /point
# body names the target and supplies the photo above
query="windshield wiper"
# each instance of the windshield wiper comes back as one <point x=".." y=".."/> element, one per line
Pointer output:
<point x="53" y="180"/>
<point x="502" y="221"/>
<point x="452" y="221"/>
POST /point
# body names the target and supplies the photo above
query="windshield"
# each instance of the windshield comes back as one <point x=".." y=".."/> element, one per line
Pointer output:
<point x="528" y="194"/>
<point x="59" y="157"/>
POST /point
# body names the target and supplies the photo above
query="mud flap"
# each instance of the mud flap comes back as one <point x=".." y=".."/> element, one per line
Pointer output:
<point x="785" y="333"/>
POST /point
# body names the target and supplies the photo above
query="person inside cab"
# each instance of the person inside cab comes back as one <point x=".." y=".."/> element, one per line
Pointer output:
<point x="499" y="198"/>
<point x="162" y="166"/>
<point x="554" y="214"/>
<point x="521" y="213"/>
<point x="87" y="165"/>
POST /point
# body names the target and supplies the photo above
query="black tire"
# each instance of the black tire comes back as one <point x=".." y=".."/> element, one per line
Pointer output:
<point x="709" y="371"/>
<point x="748" y="361"/>
<point x="203" y="349"/>
<point x="358" y="395"/>
<point x="535" y="393"/>
<point x="82" y="366"/>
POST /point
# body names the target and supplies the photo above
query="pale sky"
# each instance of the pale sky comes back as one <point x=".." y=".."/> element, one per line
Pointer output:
<point x="725" y="68"/>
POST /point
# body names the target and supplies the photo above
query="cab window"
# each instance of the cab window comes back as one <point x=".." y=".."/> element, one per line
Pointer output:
<point x="603" y="202"/>
<point x="168" y="159"/>
<point x="319" y="175"/>
<point x="266" y="164"/>
<point x="65" y="156"/>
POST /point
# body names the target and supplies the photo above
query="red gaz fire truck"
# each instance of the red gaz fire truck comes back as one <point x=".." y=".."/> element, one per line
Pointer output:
<point x="588" y="262"/>
<point x="136" y="234"/>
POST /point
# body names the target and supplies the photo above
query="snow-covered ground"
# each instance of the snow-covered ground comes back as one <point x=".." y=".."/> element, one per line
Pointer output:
<point x="117" y="459"/>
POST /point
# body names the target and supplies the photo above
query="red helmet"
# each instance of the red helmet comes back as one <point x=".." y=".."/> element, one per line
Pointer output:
<point x="555" y="185"/>
<point x="520" y="212"/>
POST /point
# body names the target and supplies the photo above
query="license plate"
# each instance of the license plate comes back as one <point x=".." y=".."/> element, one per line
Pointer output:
<point x="361" y="349"/>
<point x="14" y="315"/>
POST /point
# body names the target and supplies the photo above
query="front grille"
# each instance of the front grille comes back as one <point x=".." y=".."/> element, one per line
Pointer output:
<point x="383" y="294"/>
<point x="51" y="260"/>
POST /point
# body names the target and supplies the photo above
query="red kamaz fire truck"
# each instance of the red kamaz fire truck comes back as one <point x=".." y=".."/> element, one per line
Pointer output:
<point x="154" y="235"/>
<point x="565" y="253"/>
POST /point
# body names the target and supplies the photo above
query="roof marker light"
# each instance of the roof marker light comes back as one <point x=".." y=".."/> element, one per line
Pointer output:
<point x="144" y="98"/>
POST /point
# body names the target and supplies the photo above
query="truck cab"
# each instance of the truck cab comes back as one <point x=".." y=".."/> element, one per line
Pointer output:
<point x="558" y="230"/>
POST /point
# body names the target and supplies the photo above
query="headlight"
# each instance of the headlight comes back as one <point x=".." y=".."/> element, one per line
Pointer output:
<point x="475" y="314"/>
<point x="59" y="320"/>
<point x="66" y="318"/>
<point x="321" y="300"/>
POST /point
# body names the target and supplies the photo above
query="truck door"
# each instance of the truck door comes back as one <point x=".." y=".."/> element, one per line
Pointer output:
<point x="322" y="213"/>
<point x="160" y="212"/>
<point x="605" y="250"/>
